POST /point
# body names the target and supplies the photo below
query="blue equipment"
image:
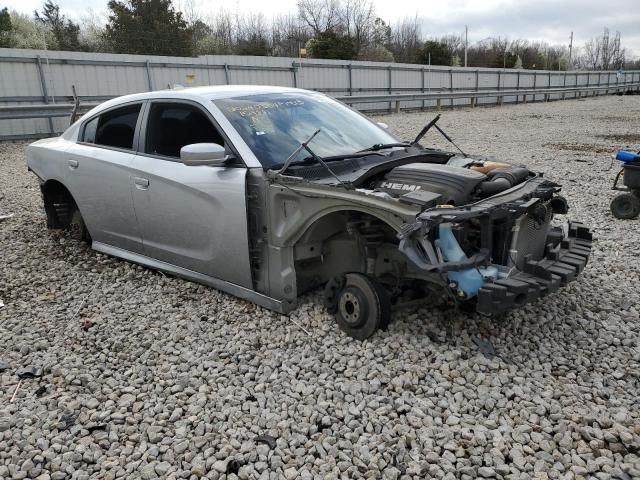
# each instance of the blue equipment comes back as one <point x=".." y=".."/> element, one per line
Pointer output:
<point x="468" y="281"/>
<point x="627" y="205"/>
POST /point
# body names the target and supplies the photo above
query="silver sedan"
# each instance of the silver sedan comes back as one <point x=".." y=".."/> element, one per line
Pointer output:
<point x="268" y="192"/>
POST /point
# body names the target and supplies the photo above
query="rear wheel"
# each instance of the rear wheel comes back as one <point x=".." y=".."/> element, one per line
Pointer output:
<point x="626" y="206"/>
<point x="77" y="229"/>
<point x="362" y="306"/>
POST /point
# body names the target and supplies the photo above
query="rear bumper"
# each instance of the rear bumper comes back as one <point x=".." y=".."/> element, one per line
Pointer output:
<point x="562" y="264"/>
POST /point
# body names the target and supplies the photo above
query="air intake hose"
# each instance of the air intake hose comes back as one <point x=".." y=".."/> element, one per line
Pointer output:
<point x="502" y="179"/>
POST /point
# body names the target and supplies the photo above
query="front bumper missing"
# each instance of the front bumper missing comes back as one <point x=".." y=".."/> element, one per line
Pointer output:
<point x="560" y="265"/>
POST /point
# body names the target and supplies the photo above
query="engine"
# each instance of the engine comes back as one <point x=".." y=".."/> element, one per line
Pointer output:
<point x="429" y="184"/>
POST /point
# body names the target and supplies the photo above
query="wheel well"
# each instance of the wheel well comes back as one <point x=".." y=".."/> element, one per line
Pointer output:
<point x="344" y="242"/>
<point x="58" y="204"/>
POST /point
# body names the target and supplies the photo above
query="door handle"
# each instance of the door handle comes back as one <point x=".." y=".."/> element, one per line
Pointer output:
<point x="73" y="164"/>
<point x="141" y="183"/>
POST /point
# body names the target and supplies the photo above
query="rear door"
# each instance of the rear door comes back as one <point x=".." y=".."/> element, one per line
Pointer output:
<point x="191" y="217"/>
<point x="99" y="172"/>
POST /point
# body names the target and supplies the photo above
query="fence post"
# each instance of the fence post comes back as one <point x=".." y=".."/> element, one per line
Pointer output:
<point x="350" y="79"/>
<point x="477" y="86"/>
<point x="226" y="73"/>
<point x="518" y="86"/>
<point x="43" y="87"/>
<point x="147" y="65"/>
<point x="451" y="84"/>
<point x="499" y="99"/>
<point x="390" y="84"/>
<point x="423" y="84"/>
<point x="294" y="71"/>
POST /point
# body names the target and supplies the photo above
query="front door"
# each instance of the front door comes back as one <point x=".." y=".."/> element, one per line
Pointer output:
<point x="191" y="217"/>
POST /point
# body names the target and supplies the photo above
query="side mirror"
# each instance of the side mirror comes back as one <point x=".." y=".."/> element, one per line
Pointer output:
<point x="383" y="125"/>
<point x="198" y="154"/>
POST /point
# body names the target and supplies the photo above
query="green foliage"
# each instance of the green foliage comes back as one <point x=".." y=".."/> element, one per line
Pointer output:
<point x="148" y="27"/>
<point x="438" y="52"/>
<point x="330" y="44"/>
<point x="5" y="28"/>
<point x="26" y="33"/>
<point x="504" y="60"/>
<point x="377" y="53"/>
<point x="65" y="32"/>
<point x="253" y="45"/>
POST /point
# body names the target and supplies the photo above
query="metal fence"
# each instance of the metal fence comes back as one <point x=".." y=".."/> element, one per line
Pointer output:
<point x="49" y="78"/>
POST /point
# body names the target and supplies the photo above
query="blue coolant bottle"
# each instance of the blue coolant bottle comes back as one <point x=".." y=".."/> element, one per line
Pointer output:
<point x="469" y="281"/>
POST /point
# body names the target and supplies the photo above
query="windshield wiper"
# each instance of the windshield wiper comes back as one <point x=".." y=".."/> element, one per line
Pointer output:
<point x="332" y="158"/>
<point x="314" y="157"/>
<point x="427" y="127"/>
<point x="381" y="146"/>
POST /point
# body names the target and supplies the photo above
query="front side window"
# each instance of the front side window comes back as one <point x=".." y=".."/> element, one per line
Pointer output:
<point x="173" y="125"/>
<point x="274" y="124"/>
<point x="115" y="128"/>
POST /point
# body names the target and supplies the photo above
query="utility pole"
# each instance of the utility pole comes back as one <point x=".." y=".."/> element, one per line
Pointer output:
<point x="466" y="43"/>
<point x="570" y="48"/>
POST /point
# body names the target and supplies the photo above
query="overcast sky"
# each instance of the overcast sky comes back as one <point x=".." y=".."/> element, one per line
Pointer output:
<point x="549" y="20"/>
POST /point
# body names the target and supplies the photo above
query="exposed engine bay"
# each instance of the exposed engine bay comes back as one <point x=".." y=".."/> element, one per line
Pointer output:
<point x="429" y="185"/>
<point x="480" y="231"/>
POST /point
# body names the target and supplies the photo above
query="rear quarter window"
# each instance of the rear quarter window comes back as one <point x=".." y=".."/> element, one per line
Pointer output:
<point x="115" y="128"/>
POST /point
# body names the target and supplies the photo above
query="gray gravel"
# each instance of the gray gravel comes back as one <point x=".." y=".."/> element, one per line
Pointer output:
<point x="176" y="380"/>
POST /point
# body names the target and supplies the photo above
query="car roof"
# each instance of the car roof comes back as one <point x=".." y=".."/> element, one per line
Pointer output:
<point x="212" y="92"/>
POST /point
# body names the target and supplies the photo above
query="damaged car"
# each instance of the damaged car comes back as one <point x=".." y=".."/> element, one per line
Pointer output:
<point x="267" y="193"/>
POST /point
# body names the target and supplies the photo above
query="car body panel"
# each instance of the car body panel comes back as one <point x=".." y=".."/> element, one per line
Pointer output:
<point x="193" y="217"/>
<point x="101" y="183"/>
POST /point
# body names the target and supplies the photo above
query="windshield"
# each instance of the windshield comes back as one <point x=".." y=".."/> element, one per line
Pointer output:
<point x="274" y="124"/>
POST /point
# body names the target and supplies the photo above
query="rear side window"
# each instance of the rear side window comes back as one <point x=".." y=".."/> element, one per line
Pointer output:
<point x="174" y="125"/>
<point x="115" y="128"/>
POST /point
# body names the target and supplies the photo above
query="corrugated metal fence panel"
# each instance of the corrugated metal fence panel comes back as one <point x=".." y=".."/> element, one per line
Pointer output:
<point x="97" y="76"/>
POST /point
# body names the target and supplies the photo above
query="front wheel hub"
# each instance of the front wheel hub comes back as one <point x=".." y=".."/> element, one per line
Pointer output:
<point x="353" y="307"/>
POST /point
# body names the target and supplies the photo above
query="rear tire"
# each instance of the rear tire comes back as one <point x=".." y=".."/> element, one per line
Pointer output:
<point x="77" y="229"/>
<point x="362" y="307"/>
<point x="626" y="206"/>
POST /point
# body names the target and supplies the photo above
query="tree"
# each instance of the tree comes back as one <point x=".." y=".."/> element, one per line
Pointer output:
<point x="148" y="27"/>
<point x="252" y="36"/>
<point x="288" y="35"/>
<point x="65" y="32"/>
<point x="405" y="40"/>
<point x="330" y="44"/>
<point x="434" y="53"/>
<point x="5" y="28"/>
<point x="603" y="52"/>
<point x="26" y="33"/>
<point x="92" y="33"/>
<point x="320" y="15"/>
<point x="358" y="17"/>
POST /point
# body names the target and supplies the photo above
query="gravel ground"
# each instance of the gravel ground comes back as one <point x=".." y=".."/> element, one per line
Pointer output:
<point x="176" y="380"/>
